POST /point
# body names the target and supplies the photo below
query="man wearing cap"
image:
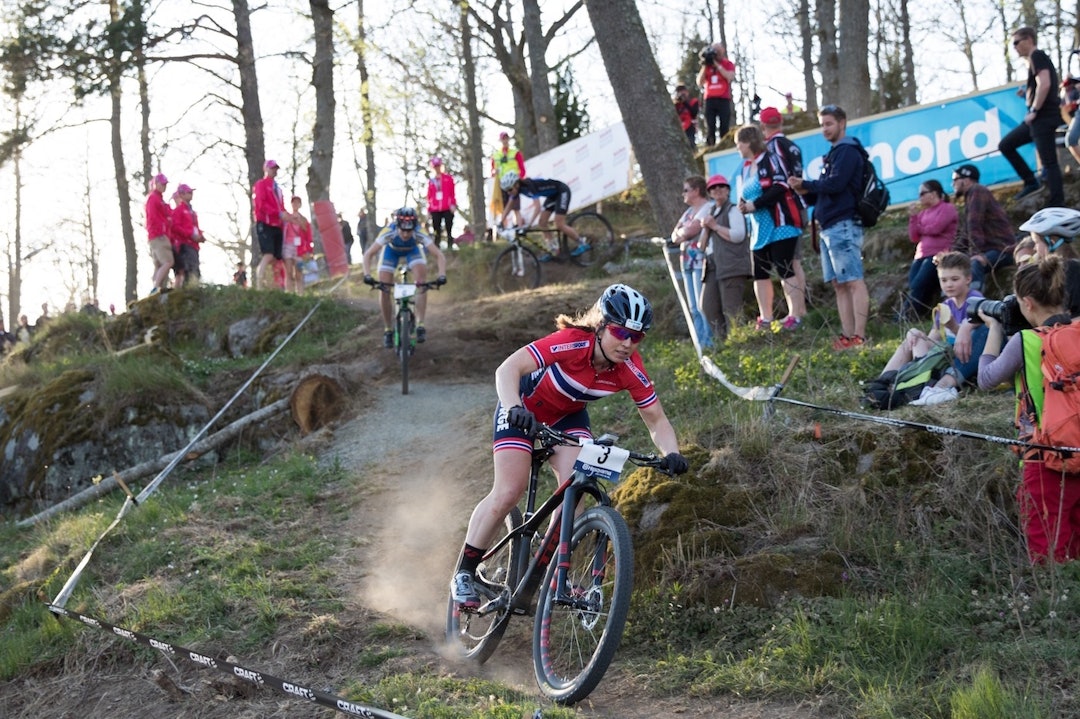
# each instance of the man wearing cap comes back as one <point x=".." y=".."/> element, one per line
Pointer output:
<point x="687" y="106"/>
<point x="503" y="160"/>
<point x="834" y="196"/>
<point x="727" y="260"/>
<point x="185" y="236"/>
<point x="158" y="217"/>
<point x="985" y="233"/>
<point x="269" y="206"/>
<point x="441" y="202"/>
<point x="790" y="158"/>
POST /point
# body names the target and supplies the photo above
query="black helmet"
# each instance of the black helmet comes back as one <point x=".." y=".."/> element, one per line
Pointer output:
<point x="623" y="305"/>
<point x="405" y="218"/>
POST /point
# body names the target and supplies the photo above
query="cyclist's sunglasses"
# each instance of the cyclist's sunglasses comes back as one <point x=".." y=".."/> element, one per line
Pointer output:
<point x="622" y="334"/>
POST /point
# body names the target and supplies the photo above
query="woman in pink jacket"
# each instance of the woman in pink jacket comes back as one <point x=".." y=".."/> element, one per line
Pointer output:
<point x="932" y="227"/>
<point x="441" y="202"/>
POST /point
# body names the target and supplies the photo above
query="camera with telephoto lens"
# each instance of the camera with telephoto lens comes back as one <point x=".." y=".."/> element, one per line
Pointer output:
<point x="708" y="55"/>
<point x="1006" y="311"/>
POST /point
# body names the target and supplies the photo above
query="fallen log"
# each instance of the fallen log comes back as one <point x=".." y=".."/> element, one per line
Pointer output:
<point x="156" y="465"/>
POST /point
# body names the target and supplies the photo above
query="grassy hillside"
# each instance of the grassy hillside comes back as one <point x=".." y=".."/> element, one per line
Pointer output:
<point x="853" y="568"/>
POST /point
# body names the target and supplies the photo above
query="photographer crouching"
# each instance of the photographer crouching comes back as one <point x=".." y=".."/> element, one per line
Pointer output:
<point x="715" y="77"/>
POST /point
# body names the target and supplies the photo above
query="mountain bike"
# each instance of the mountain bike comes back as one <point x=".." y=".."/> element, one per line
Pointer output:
<point x="582" y="566"/>
<point x="518" y="266"/>
<point x="404" y="293"/>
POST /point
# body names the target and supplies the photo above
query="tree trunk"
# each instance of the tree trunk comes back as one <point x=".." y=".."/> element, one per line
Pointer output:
<point x="659" y="143"/>
<point x="123" y="192"/>
<point x="322" y="78"/>
<point x="475" y="169"/>
<point x="16" y="257"/>
<point x="829" y="61"/>
<point x="547" y="129"/>
<point x="911" y="85"/>
<point x="806" y="35"/>
<point x="366" y="121"/>
<point x="250" y="109"/>
<point x="854" y="67"/>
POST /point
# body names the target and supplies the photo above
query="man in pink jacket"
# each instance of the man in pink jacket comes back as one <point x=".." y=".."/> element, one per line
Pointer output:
<point x="441" y="202"/>
<point x="157" y="231"/>
<point x="269" y="206"/>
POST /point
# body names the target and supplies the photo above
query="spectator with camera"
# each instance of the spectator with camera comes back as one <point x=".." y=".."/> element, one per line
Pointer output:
<point x="687" y="107"/>
<point x="715" y="78"/>
<point x="1049" y="500"/>
<point x="985" y="233"/>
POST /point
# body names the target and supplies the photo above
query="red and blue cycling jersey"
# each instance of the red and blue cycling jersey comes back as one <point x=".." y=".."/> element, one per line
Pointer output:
<point x="565" y="379"/>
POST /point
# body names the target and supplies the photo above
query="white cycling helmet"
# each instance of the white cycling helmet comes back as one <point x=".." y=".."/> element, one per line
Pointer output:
<point x="623" y="305"/>
<point x="508" y="179"/>
<point x="1061" y="222"/>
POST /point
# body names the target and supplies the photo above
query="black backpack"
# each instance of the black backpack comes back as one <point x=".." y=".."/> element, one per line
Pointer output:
<point x="873" y="197"/>
<point x="896" y="388"/>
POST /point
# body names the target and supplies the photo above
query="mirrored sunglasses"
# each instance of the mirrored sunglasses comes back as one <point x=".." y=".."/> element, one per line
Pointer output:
<point x="622" y="334"/>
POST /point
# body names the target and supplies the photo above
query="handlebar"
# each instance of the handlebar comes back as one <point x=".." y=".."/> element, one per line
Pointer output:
<point x="389" y="286"/>
<point x="550" y="437"/>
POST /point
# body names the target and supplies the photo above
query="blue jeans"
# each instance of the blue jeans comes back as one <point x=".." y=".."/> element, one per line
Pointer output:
<point x="923" y="287"/>
<point x="841" y="252"/>
<point x="692" y="284"/>
<point x="996" y="258"/>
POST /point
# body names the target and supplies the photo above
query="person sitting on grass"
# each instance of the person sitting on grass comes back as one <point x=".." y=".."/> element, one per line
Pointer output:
<point x="556" y="197"/>
<point x="954" y="277"/>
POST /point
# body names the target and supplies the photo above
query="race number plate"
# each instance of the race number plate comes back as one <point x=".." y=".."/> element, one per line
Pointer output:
<point x="404" y="290"/>
<point x="601" y="461"/>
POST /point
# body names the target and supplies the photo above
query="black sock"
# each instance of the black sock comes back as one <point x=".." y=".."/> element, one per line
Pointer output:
<point x="470" y="558"/>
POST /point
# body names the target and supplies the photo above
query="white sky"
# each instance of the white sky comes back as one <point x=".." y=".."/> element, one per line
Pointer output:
<point x="57" y="168"/>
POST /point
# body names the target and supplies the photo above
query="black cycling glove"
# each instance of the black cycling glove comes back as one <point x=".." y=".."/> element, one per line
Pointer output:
<point x="521" y="418"/>
<point x="441" y="280"/>
<point x="675" y="463"/>
<point x="369" y="280"/>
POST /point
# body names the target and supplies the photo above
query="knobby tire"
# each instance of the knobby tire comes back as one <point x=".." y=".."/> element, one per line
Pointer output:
<point x="476" y="636"/>
<point x="573" y="644"/>
<point x="599" y="232"/>
<point x="516" y="268"/>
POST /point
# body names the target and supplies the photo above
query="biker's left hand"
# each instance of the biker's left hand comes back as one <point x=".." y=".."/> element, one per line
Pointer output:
<point x="440" y="280"/>
<point x="675" y="463"/>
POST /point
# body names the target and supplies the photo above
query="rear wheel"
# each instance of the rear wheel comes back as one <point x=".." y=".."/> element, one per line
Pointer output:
<point x="516" y="268"/>
<point x="404" y="332"/>
<point x="579" y="626"/>
<point x="596" y="230"/>
<point x="477" y="634"/>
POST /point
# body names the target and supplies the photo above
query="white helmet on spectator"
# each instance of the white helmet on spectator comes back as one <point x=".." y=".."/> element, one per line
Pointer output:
<point x="1061" y="222"/>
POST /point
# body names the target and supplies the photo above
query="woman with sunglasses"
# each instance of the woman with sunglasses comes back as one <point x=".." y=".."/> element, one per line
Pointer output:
<point x="550" y="380"/>
<point x="932" y="225"/>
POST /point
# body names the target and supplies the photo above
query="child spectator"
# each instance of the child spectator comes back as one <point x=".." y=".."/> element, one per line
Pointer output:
<point x="954" y="278"/>
<point x="1049" y="500"/>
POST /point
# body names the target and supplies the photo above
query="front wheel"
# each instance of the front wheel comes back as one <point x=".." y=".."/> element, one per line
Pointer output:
<point x="592" y="227"/>
<point x="404" y="333"/>
<point x="516" y="268"/>
<point x="579" y="626"/>
<point x="476" y="634"/>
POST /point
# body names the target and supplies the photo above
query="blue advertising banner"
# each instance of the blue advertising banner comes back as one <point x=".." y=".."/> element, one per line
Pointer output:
<point x="922" y="142"/>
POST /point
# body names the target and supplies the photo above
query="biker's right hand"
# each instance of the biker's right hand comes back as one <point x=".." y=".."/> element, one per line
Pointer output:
<point x="521" y="418"/>
<point x="440" y="280"/>
<point x="369" y="280"/>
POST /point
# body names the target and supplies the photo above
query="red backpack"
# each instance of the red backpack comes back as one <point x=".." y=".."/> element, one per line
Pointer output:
<point x="1059" y="425"/>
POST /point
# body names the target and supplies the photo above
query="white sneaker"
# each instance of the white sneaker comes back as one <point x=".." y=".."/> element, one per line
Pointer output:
<point x="936" y="395"/>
